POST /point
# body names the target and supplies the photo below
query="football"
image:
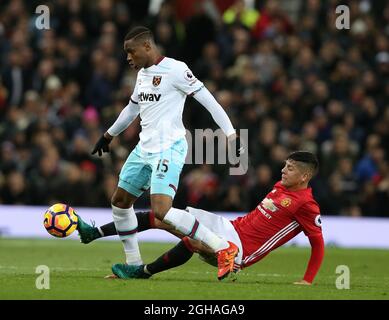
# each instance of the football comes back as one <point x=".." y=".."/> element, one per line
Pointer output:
<point x="60" y="220"/>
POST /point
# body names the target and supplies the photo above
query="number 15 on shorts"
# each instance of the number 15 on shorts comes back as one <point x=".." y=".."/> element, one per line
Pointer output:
<point x="163" y="165"/>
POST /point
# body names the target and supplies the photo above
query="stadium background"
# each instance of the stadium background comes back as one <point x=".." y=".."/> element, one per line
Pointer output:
<point x="280" y="69"/>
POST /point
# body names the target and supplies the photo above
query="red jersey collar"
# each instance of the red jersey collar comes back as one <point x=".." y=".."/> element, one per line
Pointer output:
<point x="279" y="185"/>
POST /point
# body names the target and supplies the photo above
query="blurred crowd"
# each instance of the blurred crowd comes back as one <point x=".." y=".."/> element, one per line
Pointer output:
<point x="281" y="69"/>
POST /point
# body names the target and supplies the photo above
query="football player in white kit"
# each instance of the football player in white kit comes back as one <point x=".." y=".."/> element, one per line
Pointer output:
<point x="162" y="86"/>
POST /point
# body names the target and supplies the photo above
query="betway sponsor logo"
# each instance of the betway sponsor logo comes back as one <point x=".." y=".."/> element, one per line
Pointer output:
<point x="149" y="97"/>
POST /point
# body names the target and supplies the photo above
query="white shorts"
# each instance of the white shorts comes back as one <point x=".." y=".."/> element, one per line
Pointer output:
<point x="220" y="226"/>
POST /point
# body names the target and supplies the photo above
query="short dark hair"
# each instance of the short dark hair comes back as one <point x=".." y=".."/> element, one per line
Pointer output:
<point x="138" y="31"/>
<point x="306" y="157"/>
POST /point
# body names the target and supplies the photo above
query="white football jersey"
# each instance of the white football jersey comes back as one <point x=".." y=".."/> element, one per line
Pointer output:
<point x="161" y="91"/>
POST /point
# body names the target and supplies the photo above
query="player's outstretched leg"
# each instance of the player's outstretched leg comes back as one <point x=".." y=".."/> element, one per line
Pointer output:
<point x="175" y="257"/>
<point x="88" y="232"/>
<point x="188" y="225"/>
<point x="125" y="271"/>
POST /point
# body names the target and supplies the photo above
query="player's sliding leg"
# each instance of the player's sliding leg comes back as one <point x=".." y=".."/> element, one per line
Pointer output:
<point x="146" y="221"/>
<point x="175" y="257"/>
<point x="187" y="224"/>
<point x="164" y="182"/>
<point x="88" y="233"/>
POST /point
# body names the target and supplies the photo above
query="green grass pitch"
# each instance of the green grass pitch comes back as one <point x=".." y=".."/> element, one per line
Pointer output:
<point x="77" y="272"/>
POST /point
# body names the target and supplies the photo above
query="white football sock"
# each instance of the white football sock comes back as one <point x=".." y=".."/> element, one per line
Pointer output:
<point x="126" y="224"/>
<point x="187" y="224"/>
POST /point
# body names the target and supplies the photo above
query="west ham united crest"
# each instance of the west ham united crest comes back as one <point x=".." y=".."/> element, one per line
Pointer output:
<point x="157" y="80"/>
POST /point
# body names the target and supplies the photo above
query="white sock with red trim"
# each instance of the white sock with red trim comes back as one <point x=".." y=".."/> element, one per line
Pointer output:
<point x="187" y="224"/>
<point x="126" y="225"/>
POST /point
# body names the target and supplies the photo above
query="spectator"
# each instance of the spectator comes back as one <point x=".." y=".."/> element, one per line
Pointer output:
<point x="263" y="183"/>
<point x="234" y="200"/>
<point x="15" y="190"/>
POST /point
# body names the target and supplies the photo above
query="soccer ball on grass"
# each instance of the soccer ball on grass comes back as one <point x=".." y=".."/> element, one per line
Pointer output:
<point x="60" y="220"/>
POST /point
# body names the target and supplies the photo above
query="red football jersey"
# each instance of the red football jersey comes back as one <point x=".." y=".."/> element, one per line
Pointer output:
<point x="278" y="218"/>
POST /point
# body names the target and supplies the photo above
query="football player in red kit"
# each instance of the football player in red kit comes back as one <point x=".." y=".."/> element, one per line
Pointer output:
<point x="288" y="209"/>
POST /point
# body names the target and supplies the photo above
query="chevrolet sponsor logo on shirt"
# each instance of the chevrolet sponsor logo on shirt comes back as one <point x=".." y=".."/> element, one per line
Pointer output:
<point x="269" y="205"/>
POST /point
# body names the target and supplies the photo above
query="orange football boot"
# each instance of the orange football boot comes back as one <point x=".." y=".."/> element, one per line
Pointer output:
<point x="225" y="260"/>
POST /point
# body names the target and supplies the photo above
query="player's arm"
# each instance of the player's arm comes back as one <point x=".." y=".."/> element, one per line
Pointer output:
<point x="125" y="118"/>
<point x="186" y="82"/>
<point x="204" y="97"/>
<point x="317" y="255"/>
<point x="308" y="216"/>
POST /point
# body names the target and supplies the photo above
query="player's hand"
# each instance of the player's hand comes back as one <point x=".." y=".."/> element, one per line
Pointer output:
<point x="302" y="283"/>
<point x="102" y="145"/>
<point x="234" y="140"/>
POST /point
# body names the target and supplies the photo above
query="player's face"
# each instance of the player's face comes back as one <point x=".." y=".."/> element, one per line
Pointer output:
<point x="292" y="175"/>
<point x="137" y="54"/>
